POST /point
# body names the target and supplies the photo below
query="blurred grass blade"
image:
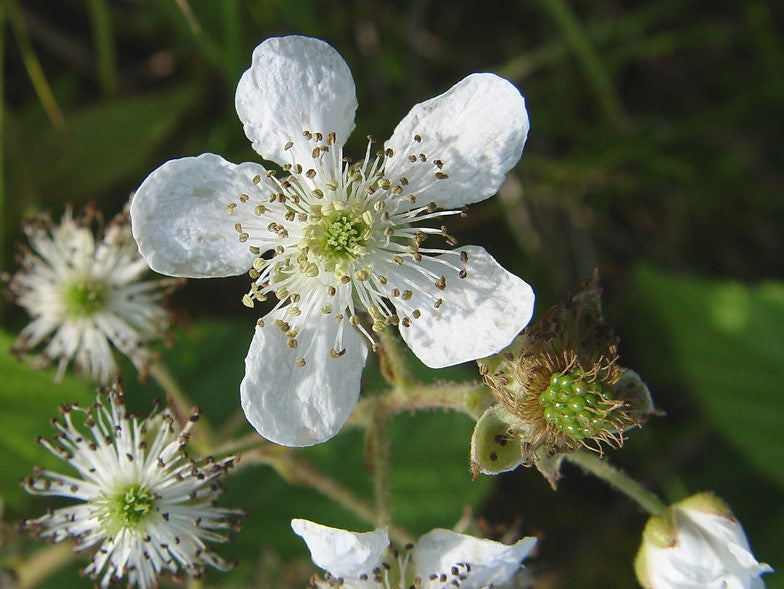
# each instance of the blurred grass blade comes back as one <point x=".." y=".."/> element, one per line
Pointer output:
<point x="766" y="39"/>
<point x="187" y="12"/>
<point x="33" y="66"/>
<point x="2" y="134"/>
<point x="103" y="41"/>
<point x="231" y="40"/>
<point x="595" y="72"/>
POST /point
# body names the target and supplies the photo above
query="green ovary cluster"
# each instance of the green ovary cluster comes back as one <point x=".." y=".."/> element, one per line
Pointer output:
<point x="574" y="405"/>
<point x="130" y="507"/>
<point x="342" y="233"/>
<point x="84" y="298"/>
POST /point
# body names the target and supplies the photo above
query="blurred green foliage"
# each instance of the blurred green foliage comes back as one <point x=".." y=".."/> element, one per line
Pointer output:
<point x="655" y="143"/>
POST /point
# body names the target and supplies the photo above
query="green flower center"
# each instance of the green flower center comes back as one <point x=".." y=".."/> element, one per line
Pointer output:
<point x="130" y="507"/>
<point x="574" y="405"/>
<point x="343" y="233"/>
<point x="84" y="298"/>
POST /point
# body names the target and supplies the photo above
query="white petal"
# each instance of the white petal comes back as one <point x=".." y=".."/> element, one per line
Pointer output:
<point x="179" y="218"/>
<point x="477" y="129"/>
<point x="295" y="84"/>
<point x="490" y="562"/>
<point x="479" y="316"/>
<point x="301" y="406"/>
<point x="340" y="552"/>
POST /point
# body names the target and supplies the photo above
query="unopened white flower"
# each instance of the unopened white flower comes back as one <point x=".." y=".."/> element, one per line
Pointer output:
<point x="145" y="507"/>
<point x="441" y="559"/>
<point x="86" y="295"/>
<point x="697" y="544"/>
<point x="341" y="245"/>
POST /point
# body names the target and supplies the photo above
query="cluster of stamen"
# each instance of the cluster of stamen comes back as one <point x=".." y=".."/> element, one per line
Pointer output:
<point x="84" y="298"/>
<point x="330" y="236"/>
<point x="129" y="507"/>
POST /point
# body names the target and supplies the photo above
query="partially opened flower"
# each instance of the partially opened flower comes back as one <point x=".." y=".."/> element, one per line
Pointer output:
<point x="340" y="245"/>
<point x="87" y="294"/>
<point x="440" y="559"/>
<point x="144" y="506"/>
<point x="695" y="544"/>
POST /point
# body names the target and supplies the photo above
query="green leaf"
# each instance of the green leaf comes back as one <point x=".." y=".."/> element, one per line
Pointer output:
<point x="30" y="399"/>
<point x="727" y="340"/>
<point x="53" y="167"/>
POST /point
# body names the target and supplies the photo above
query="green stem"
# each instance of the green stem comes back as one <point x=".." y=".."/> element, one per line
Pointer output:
<point x="618" y="479"/>
<point x="597" y="75"/>
<point x="203" y="436"/>
<point x="106" y="61"/>
<point x="378" y="440"/>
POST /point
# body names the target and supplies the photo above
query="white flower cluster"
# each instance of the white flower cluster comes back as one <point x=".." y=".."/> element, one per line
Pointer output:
<point x="340" y="245"/>
<point x="143" y="505"/>
<point x="86" y="295"/>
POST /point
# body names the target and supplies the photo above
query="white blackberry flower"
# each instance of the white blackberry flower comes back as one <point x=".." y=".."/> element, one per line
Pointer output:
<point x="145" y="507"/>
<point x="86" y="295"/>
<point x="340" y="245"/>
<point x="441" y="559"/>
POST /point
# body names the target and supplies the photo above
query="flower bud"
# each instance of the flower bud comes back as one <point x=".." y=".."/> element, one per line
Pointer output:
<point x="697" y="543"/>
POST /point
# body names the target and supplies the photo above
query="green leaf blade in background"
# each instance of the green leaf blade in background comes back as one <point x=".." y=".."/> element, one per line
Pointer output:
<point x="103" y="144"/>
<point x="727" y="340"/>
<point x="30" y="399"/>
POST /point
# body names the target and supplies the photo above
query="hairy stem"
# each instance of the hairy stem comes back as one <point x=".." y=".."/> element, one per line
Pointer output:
<point x="618" y="479"/>
<point x="378" y="442"/>
<point x="471" y="398"/>
<point x="393" y="364"/>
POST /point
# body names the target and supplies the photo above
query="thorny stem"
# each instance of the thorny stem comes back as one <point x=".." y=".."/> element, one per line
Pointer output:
<point x="203" y="435"/>
<point x="618" y="479"/>
<point x="42" y="564"/>
<point x="298" y="471"/>
<point x="378" y="442"/>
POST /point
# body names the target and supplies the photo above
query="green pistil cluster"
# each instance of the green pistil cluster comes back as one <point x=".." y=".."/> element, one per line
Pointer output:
<point x="574" y="405"/>
<point x="130" y="507"/>
<point x="343" y="233"/>
<point x="84" y="298"/>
